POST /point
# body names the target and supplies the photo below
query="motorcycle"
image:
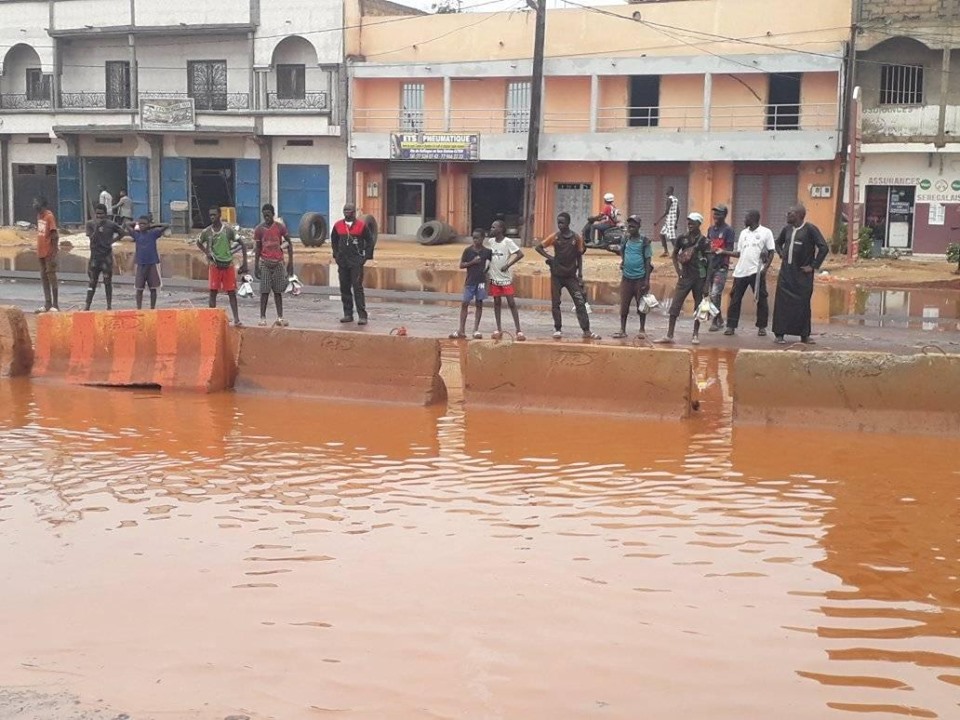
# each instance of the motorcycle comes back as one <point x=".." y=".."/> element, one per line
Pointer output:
<point x="612" y="236"/>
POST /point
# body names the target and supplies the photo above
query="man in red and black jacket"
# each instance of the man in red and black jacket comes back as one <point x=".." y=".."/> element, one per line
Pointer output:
<point x="351" y="241"/>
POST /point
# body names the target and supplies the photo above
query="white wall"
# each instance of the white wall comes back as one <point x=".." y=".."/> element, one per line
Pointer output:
<point x="20" y="151"/>
<point x="25" y="22"/>
<point x="192" y="12"/>
<point x="69" y="14"/>
<point x="131" y="146"/>
<point x="318" y="21"/>
<point x="163" y="61"/>
<point x="228" y="147"/>
<point x="325" y="151"/>
<point x="84" y="62"/>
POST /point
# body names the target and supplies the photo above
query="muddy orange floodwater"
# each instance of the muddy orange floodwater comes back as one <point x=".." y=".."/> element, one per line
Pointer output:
<point x="176" y="556"/>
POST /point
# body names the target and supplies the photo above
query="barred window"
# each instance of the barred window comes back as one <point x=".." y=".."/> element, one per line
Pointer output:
<point x="901" y="84"/>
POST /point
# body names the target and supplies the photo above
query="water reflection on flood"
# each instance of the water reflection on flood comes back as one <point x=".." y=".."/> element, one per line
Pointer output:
<point x="918" y="308"/>
<point x="292" y="559"/>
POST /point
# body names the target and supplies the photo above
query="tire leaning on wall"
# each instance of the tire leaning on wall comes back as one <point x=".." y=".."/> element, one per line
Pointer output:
<point x="371" y="222"/>
<point x="313" y="229"/>
<point x="435" y="233"/>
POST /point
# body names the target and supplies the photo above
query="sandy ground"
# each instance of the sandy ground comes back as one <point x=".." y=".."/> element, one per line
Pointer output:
<point x="404" y="253"/>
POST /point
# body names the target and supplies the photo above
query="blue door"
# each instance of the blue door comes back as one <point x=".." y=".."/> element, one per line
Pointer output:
<point x="248" y="192"/>
<point x="69" y="190"/>
<point x="302" y="189"/>
<point x="173" y="184"/>
<point x="138" y="184"/>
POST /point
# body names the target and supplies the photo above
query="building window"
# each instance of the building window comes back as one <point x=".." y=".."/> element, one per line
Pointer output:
<point x="207" y="83"/>
<point x="901" y="84"/>
<point x="411" y="107"/>
<point x="518" y="106"/>
<point x="291" y="82"/>
<point x="644" y="101"/>
<point x="118" y="84"/>
<point x="783" y="102"/>
<point x="38" y="85"/>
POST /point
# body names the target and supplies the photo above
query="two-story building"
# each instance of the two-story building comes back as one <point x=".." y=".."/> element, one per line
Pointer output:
<point x="207" y="102"/>
<point x="909" y="173"/>
<point x="726" y="101"/>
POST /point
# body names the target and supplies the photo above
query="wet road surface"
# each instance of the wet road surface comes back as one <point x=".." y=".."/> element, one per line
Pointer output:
<point x="171" y="556"/>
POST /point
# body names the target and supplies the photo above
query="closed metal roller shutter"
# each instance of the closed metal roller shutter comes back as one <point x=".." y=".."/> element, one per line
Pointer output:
<point x="781" y="196"/>
<point x="498" y="170"/>
<point x="747" y="195"/>
<point x="397" y="170"/>
<point x="576" y="199"/>
<point x="648" y="200"/>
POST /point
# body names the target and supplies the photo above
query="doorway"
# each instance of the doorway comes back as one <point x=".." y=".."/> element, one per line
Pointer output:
<point x="29" y="182"/>
<point x="107" y="171"/>
<point x="496" y="198"/>
<point x="212" y="184"/>
<point x="410" y="203"/>
<point x="783" y="103"/>
<point x="888" y="212"/>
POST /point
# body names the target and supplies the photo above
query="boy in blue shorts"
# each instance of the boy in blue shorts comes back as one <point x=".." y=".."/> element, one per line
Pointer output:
<point x="147" y="259"/>
<point x="475" y="260"/>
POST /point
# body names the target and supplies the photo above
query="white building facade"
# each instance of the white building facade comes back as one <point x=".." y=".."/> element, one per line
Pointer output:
<point x="216" y="103"/>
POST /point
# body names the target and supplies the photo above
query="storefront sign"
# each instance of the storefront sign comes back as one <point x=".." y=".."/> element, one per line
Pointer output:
<point x="435" y="147"/>
<point x="893" y="180"/>
<point x="167" y="114"/>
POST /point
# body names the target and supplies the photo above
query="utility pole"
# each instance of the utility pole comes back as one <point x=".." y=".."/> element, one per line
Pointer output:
<point x="533" y="133"/>
<point x="846" y="136"/>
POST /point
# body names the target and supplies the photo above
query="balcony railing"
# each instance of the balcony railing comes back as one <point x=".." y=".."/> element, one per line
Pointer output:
<point x="94" y="101"/>
<point x="903" y="122"/>
<point x="310" y="101"/>
<point x="214" y="102"/>
<point x="722" y="118"/>
<point x="10" y="101"/>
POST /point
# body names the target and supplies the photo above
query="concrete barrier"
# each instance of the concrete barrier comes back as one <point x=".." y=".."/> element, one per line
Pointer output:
<point x="16" y="350"/>
<point x="341" y="365"/>
<point x="578" y="378"/>
<point x="175" y="349"/>
<point x="861" y="391"/>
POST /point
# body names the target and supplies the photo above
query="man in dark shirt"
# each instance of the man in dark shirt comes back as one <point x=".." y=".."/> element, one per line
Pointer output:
<point x="566" y="271"/>
<point x="691" y="254"/>
<point x="723" y="242"/>
<point x="351" y="241"/>
<point x="475" y="260"/>
<point x="102" y="233"/>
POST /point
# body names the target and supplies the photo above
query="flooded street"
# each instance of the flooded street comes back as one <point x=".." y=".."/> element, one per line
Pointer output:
<point x="181" y="556"/>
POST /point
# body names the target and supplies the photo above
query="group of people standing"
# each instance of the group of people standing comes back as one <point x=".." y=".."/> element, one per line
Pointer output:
<point x="701" y="262"/>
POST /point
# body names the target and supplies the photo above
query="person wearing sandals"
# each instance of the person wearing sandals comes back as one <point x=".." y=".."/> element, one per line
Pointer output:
<point x="802" y="250"/>
<point x="475" y="260"/>
<point x="505" y="254"/>
<point x="691" y="257"/>
<point x="636" y="264"/>
<point x="566" y="271"/>
<point x="218" y="242"/>
<point x="269" y="240"/>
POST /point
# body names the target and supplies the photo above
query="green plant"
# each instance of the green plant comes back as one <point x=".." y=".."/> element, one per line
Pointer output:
<point x="953" y="253"/>
<point x="838" y="244"/>
<point x="865" y="248"/>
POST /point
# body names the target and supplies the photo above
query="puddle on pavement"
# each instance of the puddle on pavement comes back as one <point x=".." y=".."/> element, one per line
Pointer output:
<point x="201" y="556"/>
<point x="919" y="308"/>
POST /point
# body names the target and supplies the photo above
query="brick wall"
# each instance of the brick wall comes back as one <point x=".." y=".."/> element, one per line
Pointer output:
<point x="910" y="10"/>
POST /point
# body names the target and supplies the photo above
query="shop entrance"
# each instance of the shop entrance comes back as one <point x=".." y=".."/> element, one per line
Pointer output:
<point x="410" y="203"/>
<point x="212" y="184"/>
<point x="889" y="213"/>
<point x="110" y="172"/>
<point x="496" y="198"/>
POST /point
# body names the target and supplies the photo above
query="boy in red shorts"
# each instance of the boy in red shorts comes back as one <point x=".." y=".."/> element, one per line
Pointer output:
<point x="506" y="253"/>
<point x="218" y="243"/>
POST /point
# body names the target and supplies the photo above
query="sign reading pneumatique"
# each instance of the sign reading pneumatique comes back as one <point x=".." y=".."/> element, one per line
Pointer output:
<point x="436" y="147"/>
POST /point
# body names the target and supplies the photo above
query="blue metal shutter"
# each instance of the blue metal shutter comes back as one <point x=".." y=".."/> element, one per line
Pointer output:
<point x="138" y="184"/>
<point x="248" y="192"/>
<point x="69" y="190"/>
<point x="302" y="189"/>
<point x="173" y="184"/>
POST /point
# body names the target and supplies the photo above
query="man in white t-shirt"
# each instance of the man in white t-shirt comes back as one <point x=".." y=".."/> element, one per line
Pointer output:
<point x="106" y="199"/>
<point x="506" y="253"/>
<point x="755" y="251"/>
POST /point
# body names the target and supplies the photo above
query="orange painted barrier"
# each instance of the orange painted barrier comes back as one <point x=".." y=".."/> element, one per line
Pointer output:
<point x="16" y="350"/>
<point x="341" y="365"/>
<point x="176" y="349"/>
<point x="578" y="378"/>
<point x="861" y="391"/>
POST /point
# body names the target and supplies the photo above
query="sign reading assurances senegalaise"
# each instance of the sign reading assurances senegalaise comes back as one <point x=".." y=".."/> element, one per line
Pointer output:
<point x="435" y="147"/>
